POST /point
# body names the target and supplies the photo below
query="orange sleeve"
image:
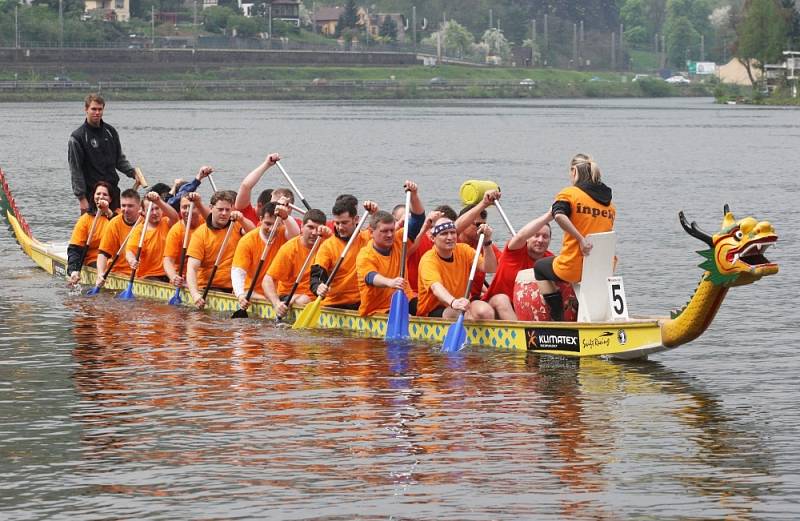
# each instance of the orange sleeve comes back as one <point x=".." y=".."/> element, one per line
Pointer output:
<point x="281" y="267"/>
<point x="174" y="242"/>
<point x="81" y="231"/>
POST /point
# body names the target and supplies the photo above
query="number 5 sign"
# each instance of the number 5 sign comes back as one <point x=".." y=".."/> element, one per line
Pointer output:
<point x="616" y="297"/>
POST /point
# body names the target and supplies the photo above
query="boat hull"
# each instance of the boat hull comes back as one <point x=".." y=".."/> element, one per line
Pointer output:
<point x="629" y="339"/>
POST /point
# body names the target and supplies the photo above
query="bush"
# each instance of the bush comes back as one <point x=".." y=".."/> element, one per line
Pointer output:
<point x="654" y="88"/>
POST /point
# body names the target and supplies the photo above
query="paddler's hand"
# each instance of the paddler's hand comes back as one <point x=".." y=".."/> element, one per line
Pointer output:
<point x="397" y="283"/>
<point x="102" y="207"/>
<point x="432" y="217"/>
<point x="74" y="278"/>
<point x="236" y="216"/>
<point x="199" y="301"/>
<point x="272" y="159"/>
<point x="281" y="309"/>
<point x="411" y="186"/>
<point x="586" y="246"/>
<point x="152" y="196"/>
<point x="243" y="302"/>
<point x="178" y="281"/>
<point x="371" y="206"/>
<point x="460" y="304"/>
<point x="132" y="261"/>
<point x="99" y="281"/>
<point x="282" y="210"/>
<point x="322" y="290"/>
<point x="323" y="231"/>
<point x="204" y="172"/>
<point x="486" y="230"/>
<point x="489" y="197"/>
<point x="194" y="197"/>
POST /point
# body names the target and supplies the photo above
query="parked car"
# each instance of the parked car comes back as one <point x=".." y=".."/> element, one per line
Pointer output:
<point x="640" y="77"/>
<point x="527" y="82"/>
<point x="678" y="80"/>
<point x="437" y="81"/>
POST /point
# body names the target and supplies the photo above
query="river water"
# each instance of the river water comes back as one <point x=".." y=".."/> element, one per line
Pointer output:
<point x="137" y="410"/>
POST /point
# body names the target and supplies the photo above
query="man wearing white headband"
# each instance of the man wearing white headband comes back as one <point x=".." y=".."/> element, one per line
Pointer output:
<point x="444" y="270"/>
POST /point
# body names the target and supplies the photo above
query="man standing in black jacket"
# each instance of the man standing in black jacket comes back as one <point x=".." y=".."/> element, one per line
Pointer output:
<point x="95" y="154"/>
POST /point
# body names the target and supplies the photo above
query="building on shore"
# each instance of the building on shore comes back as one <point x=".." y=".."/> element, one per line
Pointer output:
<point x="108" y="10"/>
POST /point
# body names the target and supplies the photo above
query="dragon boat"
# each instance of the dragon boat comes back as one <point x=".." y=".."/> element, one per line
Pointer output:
<point x="735" y="257"/>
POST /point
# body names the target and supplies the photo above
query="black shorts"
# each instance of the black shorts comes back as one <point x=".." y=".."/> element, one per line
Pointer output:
<point x="543" y="270"/>
<point x="438" y="312"/>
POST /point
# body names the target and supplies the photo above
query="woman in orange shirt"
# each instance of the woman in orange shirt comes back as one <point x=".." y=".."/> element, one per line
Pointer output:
<point x="78" y="253"/>
<point x="580" y="209"/>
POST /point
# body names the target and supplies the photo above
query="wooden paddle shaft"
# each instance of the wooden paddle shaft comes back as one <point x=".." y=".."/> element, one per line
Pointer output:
<point x="141" y="241"/>
<point x="294" y="186"/>
<point x="347" y="246"/>
<point x="405" y="236"/>
<point x="121" y="247"/>
<point x="264" y="252"/>
<point x="219" y="257"/>
<point x="88" y="240"/>
<point x="474" y="268"/>
<point x="302" y="270"/>
<point x="186" y="233"/>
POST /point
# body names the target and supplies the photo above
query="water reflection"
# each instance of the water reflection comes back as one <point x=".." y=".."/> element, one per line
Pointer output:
<point x="189" y="405"/>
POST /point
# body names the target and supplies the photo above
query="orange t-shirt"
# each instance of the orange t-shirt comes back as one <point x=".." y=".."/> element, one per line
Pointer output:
<point x="286" y="266"/>
<point x="173" y="246"/>
<point x="588" y="216"/>
<point x="151" y="261"/>
<point x="248" y="254"/>
<point x="374" y="299"/>
<point x="204" y="246"/>
<point x="81" y="232"/>
<point x="451" y="274"/>
<point x="344" y="286"/>
<point x="113" y="234"/>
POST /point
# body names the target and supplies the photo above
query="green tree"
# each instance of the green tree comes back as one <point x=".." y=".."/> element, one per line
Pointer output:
<point x="388" y="28"/>
<point x="215" y="18"/>
<point x="761" y="34"/>
<point x="243" y="26"/>
<point x="683" y="41"/>
<point x="455" y="37"/>
<point x="348" y="18"/>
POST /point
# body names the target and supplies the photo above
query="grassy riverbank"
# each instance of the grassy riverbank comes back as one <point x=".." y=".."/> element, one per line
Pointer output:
<point x="449" y="81"/>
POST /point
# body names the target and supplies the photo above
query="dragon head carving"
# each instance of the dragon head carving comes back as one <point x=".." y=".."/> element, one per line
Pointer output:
<point x="736" y="253"/>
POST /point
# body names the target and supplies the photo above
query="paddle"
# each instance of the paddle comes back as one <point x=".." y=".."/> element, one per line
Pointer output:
<point x="128" y="293"/>
<point x="505" y="218"/>
<point x="139" y="179"/>
<point x="219" y="258"/>
<point x="457" y="334"/>
<point x="176" y="298"/>
<point x="397" y="322"/>
<point x="310" y="314"/>
<point x="86" y="246"/>
<point x="242" y="313"/>
<point x="294" y="186"/>
<point x="288" y="299"/>
<point x="95" y="290"/>
<point x="213" y="184"/>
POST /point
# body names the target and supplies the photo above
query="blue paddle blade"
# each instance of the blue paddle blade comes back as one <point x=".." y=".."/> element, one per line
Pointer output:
<point x="93" y="291"/>
<point x="456" y="336"/>
<point x="127" y="294"/>
<point x="176" y="298"/>
<point x="397" y="323"/>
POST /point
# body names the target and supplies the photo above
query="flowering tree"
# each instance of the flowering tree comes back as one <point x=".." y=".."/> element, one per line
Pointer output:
<point x="497" y="43"/>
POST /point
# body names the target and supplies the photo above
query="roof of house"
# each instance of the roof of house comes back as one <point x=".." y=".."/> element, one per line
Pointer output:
<point x="325" y="14"/>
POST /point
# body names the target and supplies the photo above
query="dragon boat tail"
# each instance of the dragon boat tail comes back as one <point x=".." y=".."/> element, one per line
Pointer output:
<point x="735" y="257"/>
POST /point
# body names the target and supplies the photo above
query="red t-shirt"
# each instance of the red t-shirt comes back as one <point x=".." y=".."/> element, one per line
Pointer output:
<point x="511" y="263"/>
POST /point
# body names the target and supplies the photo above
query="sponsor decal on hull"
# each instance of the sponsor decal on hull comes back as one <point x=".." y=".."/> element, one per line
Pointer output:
<point x="541" y="338"/>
